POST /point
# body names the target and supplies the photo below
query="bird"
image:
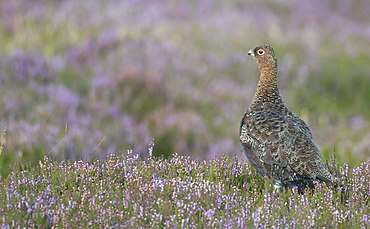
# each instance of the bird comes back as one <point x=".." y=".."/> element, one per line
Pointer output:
<point x="276" y="141"/>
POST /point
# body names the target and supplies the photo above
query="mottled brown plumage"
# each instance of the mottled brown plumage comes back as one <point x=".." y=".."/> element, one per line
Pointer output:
<point x="277" y="142"/>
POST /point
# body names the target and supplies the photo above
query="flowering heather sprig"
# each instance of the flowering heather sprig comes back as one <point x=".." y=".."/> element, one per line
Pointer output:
<point x="151" y="148"/>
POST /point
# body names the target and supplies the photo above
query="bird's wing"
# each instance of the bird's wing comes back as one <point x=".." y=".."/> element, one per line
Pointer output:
<point x="258" y="132"/>
<point x="250" y="142"/>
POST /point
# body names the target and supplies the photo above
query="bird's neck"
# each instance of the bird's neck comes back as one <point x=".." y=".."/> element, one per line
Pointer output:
<point x="267" y="89"/>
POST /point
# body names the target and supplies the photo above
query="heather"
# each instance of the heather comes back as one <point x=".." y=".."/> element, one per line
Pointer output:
<point x="180" y="192"/>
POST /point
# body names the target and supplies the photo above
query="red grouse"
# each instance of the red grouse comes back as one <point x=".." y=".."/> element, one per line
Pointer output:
<point x="277" y="142"/>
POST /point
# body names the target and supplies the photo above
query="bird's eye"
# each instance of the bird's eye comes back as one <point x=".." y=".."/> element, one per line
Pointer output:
<point x="260" y="51"/>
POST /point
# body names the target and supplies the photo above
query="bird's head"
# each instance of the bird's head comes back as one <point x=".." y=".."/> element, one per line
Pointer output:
<point x="264" y="56"/>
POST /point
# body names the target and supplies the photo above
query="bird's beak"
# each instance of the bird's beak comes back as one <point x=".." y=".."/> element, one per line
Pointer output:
<point x="250" y="53"/>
